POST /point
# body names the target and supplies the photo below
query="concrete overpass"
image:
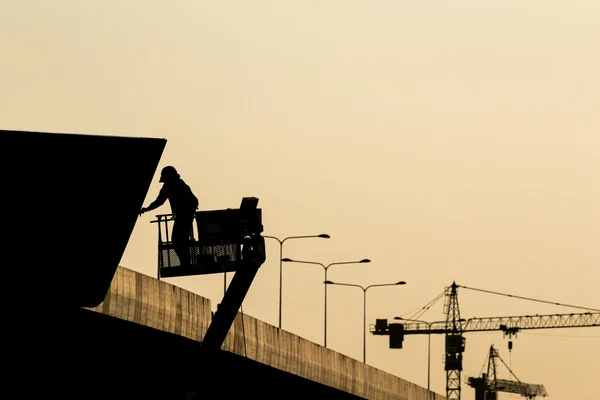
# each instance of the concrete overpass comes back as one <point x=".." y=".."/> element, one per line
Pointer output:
<point x="79" y="326"/>
<point x="160" y="327"/>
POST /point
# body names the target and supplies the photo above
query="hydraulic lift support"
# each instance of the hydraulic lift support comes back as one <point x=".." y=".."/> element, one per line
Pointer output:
<point x="228" y="241"/>
<point x="254" y="256"/>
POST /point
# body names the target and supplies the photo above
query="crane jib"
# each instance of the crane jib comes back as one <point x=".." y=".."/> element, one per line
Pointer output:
<point x="572" y="320"/>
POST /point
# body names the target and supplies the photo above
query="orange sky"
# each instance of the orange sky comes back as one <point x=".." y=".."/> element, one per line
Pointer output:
<point x="443" y="140"/>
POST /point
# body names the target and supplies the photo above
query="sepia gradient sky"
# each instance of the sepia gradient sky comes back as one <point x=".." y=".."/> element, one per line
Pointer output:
<point x="446" y="141"/>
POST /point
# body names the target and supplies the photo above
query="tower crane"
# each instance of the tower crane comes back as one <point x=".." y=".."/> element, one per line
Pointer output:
<point x="487" y="386"/>
<point x="454" y="327"/>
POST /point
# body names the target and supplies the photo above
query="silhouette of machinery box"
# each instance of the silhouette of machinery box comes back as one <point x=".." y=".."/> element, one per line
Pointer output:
<point x="218" y="248"/>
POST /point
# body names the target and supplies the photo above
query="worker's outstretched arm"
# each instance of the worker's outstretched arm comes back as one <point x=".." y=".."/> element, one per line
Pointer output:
<point x="160" y="200"/>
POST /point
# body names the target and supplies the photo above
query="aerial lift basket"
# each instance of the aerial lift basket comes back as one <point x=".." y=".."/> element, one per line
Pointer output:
<point x="216" y="242"/>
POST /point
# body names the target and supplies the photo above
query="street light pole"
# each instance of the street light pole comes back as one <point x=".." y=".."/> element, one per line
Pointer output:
<point x="364" y="289"/>
<point x="281" y="241"/>
<point x="428" y="344"/>
<point x="326" y="268"/>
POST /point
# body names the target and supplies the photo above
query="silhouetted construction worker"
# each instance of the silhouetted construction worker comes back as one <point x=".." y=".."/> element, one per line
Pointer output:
<point x="183" y="204"/>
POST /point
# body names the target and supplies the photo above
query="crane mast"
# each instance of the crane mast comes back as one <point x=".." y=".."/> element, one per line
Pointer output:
<point x="491" y="370"/>
<point x="455" y="344"/>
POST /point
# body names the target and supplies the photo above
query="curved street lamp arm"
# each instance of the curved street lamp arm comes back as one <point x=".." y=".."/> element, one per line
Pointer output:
<point x="273" y="237"/>
<point x="381" y="284"/>
<point x="304" y="237"/>
<point x="322" y="235"/>
<point x="348" y="262"/>
<point x="344" y="284"/>
<point x="304" y="262"/>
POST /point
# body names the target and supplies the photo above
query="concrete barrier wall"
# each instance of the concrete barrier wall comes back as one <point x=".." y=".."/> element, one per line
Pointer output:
<point x="147" y="301"/>
<point x="269" y="345"/>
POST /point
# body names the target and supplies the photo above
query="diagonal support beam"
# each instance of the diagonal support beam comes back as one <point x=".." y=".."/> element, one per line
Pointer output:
<point x="254" y="256"/>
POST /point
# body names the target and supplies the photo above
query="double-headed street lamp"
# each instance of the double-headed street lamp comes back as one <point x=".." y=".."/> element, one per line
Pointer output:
<point x="428" y="342"/>
<point x="364" y="289"/>
<point x="281" y="241"/>
<point x="326" y="267"/>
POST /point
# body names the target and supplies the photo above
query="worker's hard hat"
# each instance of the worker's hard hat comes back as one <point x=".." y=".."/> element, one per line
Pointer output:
<point x="168" y="173"/>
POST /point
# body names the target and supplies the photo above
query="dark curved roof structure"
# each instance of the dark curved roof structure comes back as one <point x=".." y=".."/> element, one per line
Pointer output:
<point x="70" y="203"/>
